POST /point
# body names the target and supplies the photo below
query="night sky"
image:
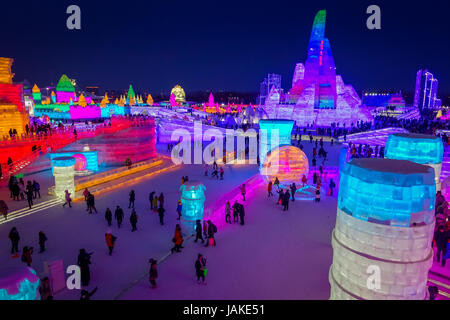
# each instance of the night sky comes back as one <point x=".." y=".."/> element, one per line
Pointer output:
<point x="222" y="45"/>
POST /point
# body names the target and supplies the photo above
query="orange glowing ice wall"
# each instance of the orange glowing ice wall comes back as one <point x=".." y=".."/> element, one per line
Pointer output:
<point x="12" y="113"/>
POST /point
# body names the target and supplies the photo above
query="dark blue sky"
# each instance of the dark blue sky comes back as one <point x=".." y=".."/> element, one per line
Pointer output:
<point x="222" y="45"/>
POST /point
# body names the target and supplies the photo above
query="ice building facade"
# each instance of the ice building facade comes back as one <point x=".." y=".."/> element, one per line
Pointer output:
<point x="384" y="228"/>
<point x="317" y="95"/>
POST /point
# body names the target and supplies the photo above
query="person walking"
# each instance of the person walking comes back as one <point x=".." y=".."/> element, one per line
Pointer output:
<point x="179" y="209"/>
<point x="108" y="216"/>
<point x="228" y="212"/>
<point x="332" y="186"/>
<point x="200" y="269"/>
<point x="441" y="237"/>
<point x="236" y="211"/>
<point x="118" y="215"/>
<point x="276" y="182"/>
<point x="198" y="231"/>
<point x="4" y="209"/>
<point x="83" y="261"/>
<point x="153" y="273"/>
<point x="14" y="237"/>
<point x="68" y="199"/>
<point x="304" y="181"/>
<point x="241" y="214"/>
<point x="150" y="198"/>
<point x="155" y="204"/>
<point x="317" y="199"/>
<point x="36" y="189"/>
<point x="110" y="241"/>
<point x="161" y="200"/>
<point x="293" y="191"/>
<point x="132" y="197"/>
<point x="161" y="211"/>
<point x="29" y="193"/>
<point x="26" y="255"/>
<point x="243" y="192"/>
<point x="285" y="200"/>
<point x="133" y="220"/>
<point x="280" y="196"/>
<point x="177" y="240"/>
<point x="42" y="240"/>
<point x="269" y="189"/>
<point x="91" y="203"/>
<point x="205" y="229"/>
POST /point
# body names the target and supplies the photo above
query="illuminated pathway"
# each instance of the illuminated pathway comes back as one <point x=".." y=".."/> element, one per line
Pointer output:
<point x="14" y="215"/>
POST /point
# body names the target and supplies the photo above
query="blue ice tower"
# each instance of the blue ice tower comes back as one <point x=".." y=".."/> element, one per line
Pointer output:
<point x="193" y="202"/>
<point x="284" y="128"/>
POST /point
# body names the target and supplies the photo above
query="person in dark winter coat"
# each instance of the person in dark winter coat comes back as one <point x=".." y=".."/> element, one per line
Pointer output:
<point x="14" y="237"/>
<point x="36" y="189"/>
<point x="198" y="231"/>
<point x="83" y="261"/>
<point x="200" y="268"/>
<point x="441" y="237"/>
<point x="132" y="199"/>
<point x="110" y="241"/>
<point x="161" y="211"/>
<point x="228" y="212"/>
<point x="332" y="186"/>
<point x="285" y="201"/>
<point x="45" y="290"/>
<point x="241" y="214"/>
<point x="26" y="255"/>
<point x="108" y="216"/>
<point x="293" y="191"/>
<point x="150" y="198"/>
<point x="212" y="229"/>
<point x="86" y="295"/>
<point x="280" y="196"/>
<point x="153" y="273"/>
<point x="236" y="206"/>
<point x="161" y="200"/>
<point x="133" y="220"/>
<point x="29" y="193"/>
<point x="42" y="240"/>
<point x="118" y="215"/>
<point x="91" y="203"/>
<point x="177" y="239"/>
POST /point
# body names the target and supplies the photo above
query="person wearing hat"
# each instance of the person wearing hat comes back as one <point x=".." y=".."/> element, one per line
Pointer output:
<point x="110" y="241"/>
<point x="153" y="274"/>
<point x="179" y="208"/>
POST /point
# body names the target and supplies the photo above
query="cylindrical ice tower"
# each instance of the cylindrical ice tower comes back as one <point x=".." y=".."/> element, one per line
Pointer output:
<point x="384" y="228"/>
<point x="419" y="148"/>
<point x="64" y="172"/>
<point x="269" y="128"/>
<point x="192" y="200"/>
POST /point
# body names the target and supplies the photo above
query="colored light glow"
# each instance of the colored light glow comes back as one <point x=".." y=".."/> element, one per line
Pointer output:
<point x="88" y="159"/>
<point x="19" y="284"/>
<point x="88" y="112"/>
<point x="385" y="219"/>
<point x="287" y="163"/>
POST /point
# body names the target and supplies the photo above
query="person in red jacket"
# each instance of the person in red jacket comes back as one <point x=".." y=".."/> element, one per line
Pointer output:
<point x="177" y="239"/>
<point x="110" y="241"/>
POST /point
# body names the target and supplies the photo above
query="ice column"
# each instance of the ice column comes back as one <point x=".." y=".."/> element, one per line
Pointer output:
<point x="269" y="129"/>
<point x="192" y="200"/>
<point x="384" y="228"/>
<point x="64" y="172"/>
<point x="419" y="148"/>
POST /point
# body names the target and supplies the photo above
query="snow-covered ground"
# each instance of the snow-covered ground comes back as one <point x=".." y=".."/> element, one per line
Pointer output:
<point x="275" y="255"/>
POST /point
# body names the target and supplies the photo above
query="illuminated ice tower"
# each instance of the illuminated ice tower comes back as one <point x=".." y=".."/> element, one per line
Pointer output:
<point x="384" y="228"/>
<point x="272" y="134"/>
<point x="64" y="173"/>
<point x="192" y="200"/>
<point x="317" y="95"/>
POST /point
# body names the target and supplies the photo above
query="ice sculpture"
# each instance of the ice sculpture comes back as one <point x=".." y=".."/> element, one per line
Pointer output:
<point x="65" y="90"/>
<point x="20" y="283"/>
<point x="192" y="200"/>
<point x="385" y="221"/>
<point x="318" y="95"/>
<point x="64" y="173"/>
<point x="287" y="163"/>
<point x="419" y="148"/>
<point x="272" y="134"/>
